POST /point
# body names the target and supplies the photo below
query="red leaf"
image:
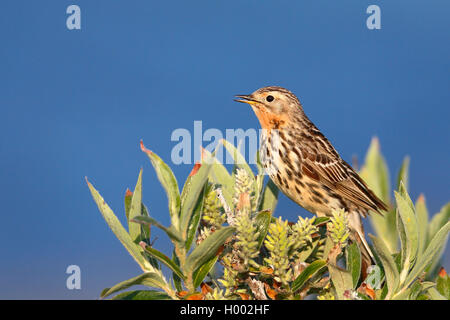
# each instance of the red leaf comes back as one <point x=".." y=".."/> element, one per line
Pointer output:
<point x="205" y="288"/>
<point x="244" y="296"/>
<point x="220" y="250"/>
<point x="195" y="169"/>
<point x="276" y="284"/>
<point x="270" y="292"/>
<point x="128" y="193"/>
<point x="365" y="289"/>
<point x="442" y="272"/>
<point x="182" y="294"/>
<point x="196" y="296"/>
<point x="144" y="149"/>
<point x="266" y="270"/>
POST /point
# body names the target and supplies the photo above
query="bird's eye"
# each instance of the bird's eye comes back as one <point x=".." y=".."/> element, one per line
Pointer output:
<point x="269" y="98"/>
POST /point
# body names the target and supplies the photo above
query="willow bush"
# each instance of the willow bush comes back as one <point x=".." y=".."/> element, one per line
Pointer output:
<point x="228" y="245"/>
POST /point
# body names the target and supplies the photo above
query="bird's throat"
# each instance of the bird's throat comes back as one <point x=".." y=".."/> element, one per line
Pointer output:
<point x="269" y="120"/>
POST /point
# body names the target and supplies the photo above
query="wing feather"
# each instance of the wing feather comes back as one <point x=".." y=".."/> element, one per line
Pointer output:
<point x="337" y="174"/>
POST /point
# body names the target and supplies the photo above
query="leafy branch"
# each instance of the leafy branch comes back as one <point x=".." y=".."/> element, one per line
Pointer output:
<point x="227" y="245"/>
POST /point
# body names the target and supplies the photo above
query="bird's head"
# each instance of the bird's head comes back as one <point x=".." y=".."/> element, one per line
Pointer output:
<point x="275" y="107"/>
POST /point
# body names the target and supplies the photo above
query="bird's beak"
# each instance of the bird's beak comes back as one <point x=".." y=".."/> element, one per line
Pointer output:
<point x="244" y="98"/>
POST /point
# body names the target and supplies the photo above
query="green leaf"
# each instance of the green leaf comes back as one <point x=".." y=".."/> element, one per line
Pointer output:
<point x="176" y="279"/>
<point x="307" y="274"/>
<point x="259" y="182"/>
<point x="127" y="201"/>
<point x="238" y="158"/>
<point x="196" y="187"/>
<point x="145" y="235"/>
<point x="408" y="231"/>
<point x="403" y="295"/>
<point x="311" y="249"/>
<point x="164" y="259"/>
<point x="133" y="249"/>
<point x="142" y="295"/>
<point x="207" y="249"/>
<point x="413" y="292"/>
<point x="363" y="296"/>
<point x="436" y="244"/>
<point x="136" y="210"/>
<point x="375" y="173"/>
<point x="270" y="197"/>
<point x="262" y="221"/>
<point x="329" y="244"/>
<point x="436" y="223"/>
<point x="150" y="279"/>
<point x="219" y="175"/>
<point x="435" y="295"/>
<point x="187" y="183"/>
<point x="422" y="223"/>
<point x="169" y="182"/>
<point x="342" y="280"/>
<point x="443" y="285"/>
<point x="381" y="293"/>
<point x="438" y="220"/>
<point x="386" y="228"/>
<point x="145" y="228"/>
<point x="403" y="242"/>
<point x="202" y="272"/>
<point x="354" y="262"/>
<point x="171" y="232"/>
<point x="417" y="290"/>
<point x="195" y="220"/>
<point x="390" y="269"/>
<point x="404" y="193"/>
<point x="403" y="174"/>
<point x="321" y="220"/>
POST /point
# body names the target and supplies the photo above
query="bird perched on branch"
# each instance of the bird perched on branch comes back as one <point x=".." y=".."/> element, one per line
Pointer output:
<point x="306" y="167"/>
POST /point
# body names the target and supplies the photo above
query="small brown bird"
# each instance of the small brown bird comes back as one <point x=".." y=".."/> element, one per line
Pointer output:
<point x="305" y="166"/>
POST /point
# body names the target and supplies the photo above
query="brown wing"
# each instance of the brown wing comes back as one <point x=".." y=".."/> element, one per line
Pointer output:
<point x="341" y="178"/>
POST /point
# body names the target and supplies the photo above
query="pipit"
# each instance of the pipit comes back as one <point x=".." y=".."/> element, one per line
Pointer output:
<point x="306" y="167"/>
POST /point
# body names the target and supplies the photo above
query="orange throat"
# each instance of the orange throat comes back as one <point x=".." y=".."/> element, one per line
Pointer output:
<point x="269" y="120"/>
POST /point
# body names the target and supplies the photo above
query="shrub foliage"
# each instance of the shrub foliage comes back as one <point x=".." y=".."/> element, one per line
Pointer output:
<point x="228" y="245"/>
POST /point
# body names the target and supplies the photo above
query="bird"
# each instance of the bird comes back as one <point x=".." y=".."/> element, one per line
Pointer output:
<point x="306" y="167"/>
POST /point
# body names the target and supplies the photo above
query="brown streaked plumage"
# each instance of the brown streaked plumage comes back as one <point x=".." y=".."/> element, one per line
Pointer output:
<point x="305" y="166"/>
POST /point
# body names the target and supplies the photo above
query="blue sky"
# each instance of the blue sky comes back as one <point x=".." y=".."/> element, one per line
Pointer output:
<point x="76" y="103"/>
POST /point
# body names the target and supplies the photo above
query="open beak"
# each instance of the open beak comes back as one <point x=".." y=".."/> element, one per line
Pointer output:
<point x="244" y="98"/>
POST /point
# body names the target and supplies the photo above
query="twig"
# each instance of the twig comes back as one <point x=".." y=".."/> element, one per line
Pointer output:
<point x="226" y="207"/>
<point x="257" y="288"/>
